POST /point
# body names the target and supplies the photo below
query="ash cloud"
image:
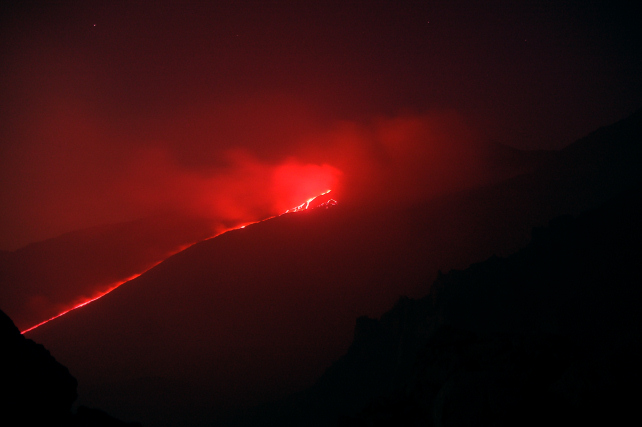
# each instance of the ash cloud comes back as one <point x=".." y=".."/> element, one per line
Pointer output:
<point x="71" y="170"/>
<point x="114" y="112"/>
<point x="408" y="157"/>
<point x="89" y="138"/>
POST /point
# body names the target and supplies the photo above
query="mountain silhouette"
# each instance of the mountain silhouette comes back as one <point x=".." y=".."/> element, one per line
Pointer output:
<point x="36" y="389"/>
<point x="257" y="313"/>
<point x="549" y="335"/>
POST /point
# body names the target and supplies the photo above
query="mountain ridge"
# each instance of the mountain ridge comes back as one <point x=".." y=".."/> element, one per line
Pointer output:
<point x="549" y="332"/>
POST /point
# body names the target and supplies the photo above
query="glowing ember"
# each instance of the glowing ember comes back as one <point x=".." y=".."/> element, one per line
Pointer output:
<point x="311" y="203"/>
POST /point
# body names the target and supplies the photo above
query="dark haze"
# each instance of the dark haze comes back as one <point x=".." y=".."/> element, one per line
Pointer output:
<point x="238" y="111"/>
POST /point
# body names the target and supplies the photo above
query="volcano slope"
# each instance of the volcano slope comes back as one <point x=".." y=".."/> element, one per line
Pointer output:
<point x="551" y="335"/>
<point x="46" y="278"/>
<point x="259" y="312"/>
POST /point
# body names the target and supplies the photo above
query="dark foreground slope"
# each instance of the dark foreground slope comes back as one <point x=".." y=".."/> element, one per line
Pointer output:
<point x="36" y="389"/>
<point x="551" y="335"/>
<point x="257" y="313"/>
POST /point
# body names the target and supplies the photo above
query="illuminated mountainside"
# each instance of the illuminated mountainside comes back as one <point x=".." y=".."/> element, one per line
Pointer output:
<point x="45" y="278"/>
<point x="258" y="312"/>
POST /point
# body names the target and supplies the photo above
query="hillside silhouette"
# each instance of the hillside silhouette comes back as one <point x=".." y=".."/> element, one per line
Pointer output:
<point x="36" y="389"/>
<point x="549" y="335"/>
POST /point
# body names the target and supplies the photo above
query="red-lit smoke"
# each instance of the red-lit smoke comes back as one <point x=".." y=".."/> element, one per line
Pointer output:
<point x="101" y="128"/>
<point x="72" y="170"/>
<point x="406" y="158"/>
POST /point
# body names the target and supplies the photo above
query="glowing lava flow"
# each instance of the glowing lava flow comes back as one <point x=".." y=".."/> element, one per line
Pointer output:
<point x="111" y="288"/>
<point x="308" y="204"/>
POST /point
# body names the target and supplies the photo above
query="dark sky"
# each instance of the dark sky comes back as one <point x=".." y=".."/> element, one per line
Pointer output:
<point x="236" y="110"/>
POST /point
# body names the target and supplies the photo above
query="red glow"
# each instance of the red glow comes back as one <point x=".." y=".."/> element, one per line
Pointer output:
<point x="90" y="300"/>
<point x="308" y="204"/>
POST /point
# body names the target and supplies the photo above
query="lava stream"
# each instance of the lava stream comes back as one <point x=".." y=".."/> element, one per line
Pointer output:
<point x="308" y="204"/>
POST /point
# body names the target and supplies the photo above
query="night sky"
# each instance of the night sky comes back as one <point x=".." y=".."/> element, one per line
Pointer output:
<point x="238" y="110"/>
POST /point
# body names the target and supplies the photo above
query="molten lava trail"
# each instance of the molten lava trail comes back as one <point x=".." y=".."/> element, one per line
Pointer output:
<point x="308" y="204"/>
<point x="111" y="288"/>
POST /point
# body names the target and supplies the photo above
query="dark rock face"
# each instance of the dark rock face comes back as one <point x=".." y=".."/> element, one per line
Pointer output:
<point x="91" y="417"/>
<point x="460" y="378"/>
<point x="548" y="336"/>
<point x="37" y="389"/>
